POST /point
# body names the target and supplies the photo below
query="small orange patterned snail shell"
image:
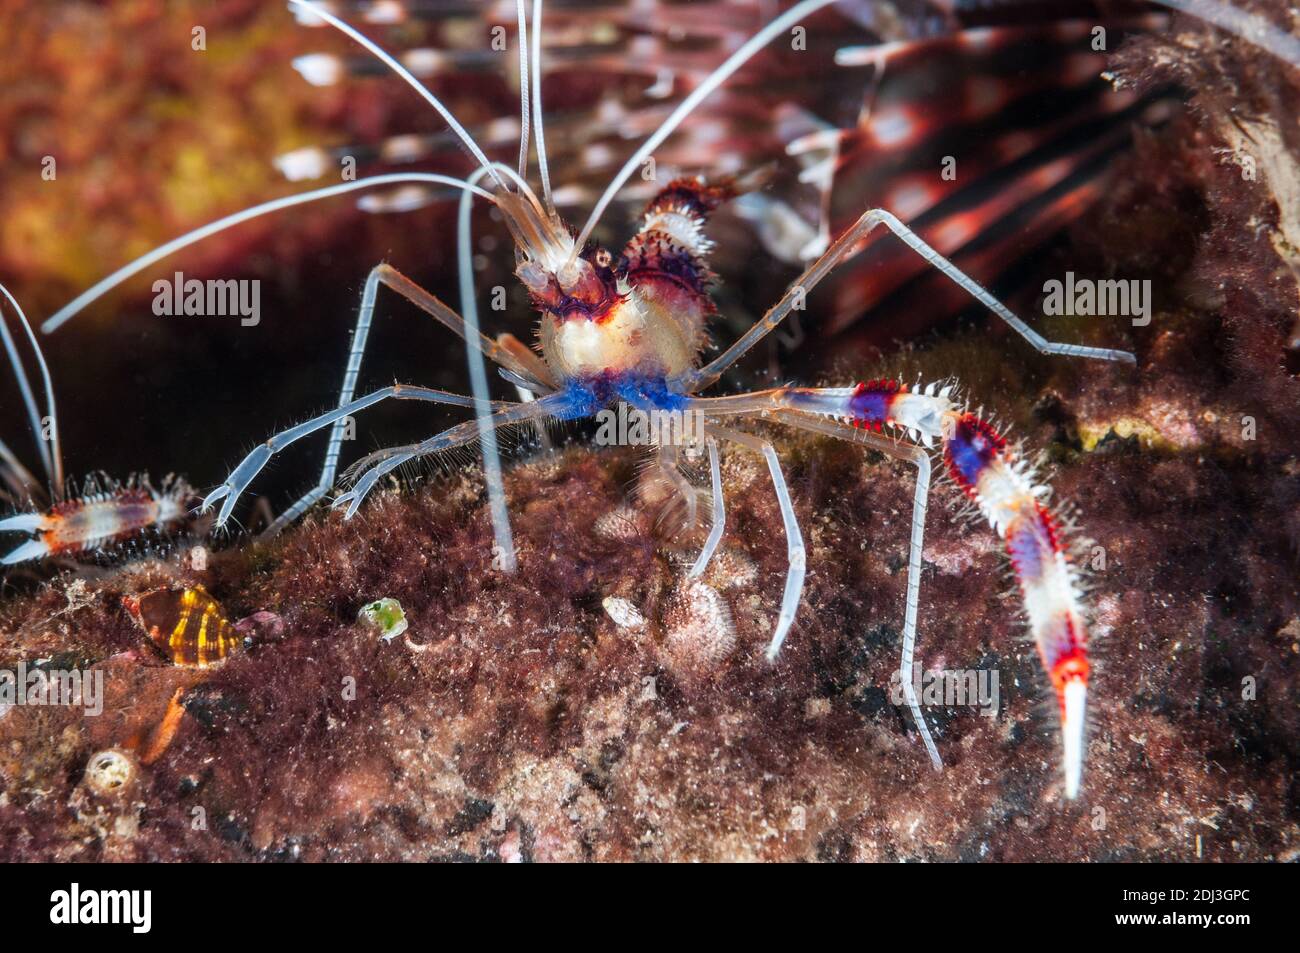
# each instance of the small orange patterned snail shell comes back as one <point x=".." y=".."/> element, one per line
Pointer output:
<point x="187" y="626"/>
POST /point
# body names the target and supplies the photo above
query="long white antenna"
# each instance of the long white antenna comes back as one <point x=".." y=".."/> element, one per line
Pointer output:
<point x="388" y="60"/>
<point x="29" y="398"/>
<point x="523" y="90"/>
<point x="51" y="454"/>
<point x="19" y="479"/>
<point x="1250" y="27"/>
<point x="97" y="291"/>
<point x="504" y="550"/>
<point x="537" y="107"/>
<point x="715" y="79"/>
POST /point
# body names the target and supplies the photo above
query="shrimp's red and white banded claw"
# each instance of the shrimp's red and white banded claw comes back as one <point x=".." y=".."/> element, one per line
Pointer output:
<point x="90" y="522"/>
<point x="1002" y="485"/>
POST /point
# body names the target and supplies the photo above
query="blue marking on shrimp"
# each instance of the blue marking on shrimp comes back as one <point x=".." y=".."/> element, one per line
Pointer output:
<point x="648" y="392"/>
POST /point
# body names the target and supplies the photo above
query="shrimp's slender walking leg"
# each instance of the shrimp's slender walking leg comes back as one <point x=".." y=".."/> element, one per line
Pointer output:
<point x="537" y="368"/>
<point x="385" y="461"/>
<point x="920" y="497"/>
<point x="719" y="513"/>
<point x="389" y="276"/>
<point x="778" y="404"/>
<point x="795" y="552"/>
<point x="542" y="380"/>
<point x="843" y="248"/>
<point x="668" y="461"/>
<point x="769" y="401"/>
<point x="252" y="464"/>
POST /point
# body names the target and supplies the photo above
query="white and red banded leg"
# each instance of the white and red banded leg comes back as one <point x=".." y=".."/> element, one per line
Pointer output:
<point x="1002" y="486"/>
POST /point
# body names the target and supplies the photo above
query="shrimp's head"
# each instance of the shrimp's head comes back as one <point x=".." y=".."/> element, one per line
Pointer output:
<point x="560" y="279"/>
<point x="597" y="318"/>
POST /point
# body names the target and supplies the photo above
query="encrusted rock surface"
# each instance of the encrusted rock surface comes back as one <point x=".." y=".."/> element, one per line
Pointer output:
<point x="517" y="720"/>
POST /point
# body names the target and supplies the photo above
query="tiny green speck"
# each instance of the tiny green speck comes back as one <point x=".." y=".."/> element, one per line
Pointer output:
<point x="386" y="615"/>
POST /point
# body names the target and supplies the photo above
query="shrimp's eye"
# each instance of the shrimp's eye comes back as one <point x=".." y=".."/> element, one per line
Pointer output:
<point x="603" y="258"/>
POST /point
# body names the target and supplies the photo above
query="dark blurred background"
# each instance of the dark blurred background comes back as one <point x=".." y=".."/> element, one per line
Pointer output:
<point x="152" y="138"/>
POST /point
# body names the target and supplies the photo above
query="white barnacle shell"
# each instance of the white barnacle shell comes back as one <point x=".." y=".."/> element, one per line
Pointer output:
<point x="111" y="773"/>
<point x="623" y="523"/>
<point x="624" y="614"/>
<point x="698" y="630"/>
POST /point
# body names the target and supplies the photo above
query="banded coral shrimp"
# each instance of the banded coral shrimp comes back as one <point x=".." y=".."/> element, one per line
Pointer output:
<point x="99" y="518"/>
<point x="591" y="308"/>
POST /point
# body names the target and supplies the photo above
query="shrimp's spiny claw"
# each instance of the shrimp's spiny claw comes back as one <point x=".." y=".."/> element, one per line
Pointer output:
<point x="1007" y="494"/>
<point x="237" y="482"/>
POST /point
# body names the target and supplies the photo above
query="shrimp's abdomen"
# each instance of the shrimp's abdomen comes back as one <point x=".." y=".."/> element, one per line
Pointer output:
<point x="77" y="525"/>
<point x="96" y="521"/>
